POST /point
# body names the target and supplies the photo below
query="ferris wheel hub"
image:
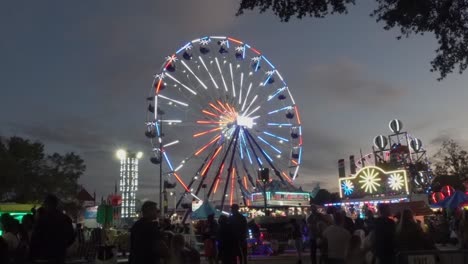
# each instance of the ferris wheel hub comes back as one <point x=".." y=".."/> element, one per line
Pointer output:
<point x="245" y="121"/>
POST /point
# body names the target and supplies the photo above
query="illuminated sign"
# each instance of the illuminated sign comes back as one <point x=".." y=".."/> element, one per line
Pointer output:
<point x="281" y="198"/>
<point x="374" y="181"/>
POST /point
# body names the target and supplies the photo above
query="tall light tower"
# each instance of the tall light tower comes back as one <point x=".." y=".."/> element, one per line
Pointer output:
<point x="128" y="184"/>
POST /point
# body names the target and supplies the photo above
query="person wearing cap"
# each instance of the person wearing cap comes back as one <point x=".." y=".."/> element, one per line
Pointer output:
<point x="239" y="227"/>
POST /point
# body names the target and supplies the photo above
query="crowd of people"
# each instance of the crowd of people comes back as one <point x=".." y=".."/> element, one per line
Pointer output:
<point x="224" y="240"/>
<point x="372" y="240"/>
<point x="42" y="236"/>
<point x="333" y="238"/>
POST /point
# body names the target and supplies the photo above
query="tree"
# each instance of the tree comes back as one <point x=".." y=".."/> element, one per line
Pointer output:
<point x="28" y="174"/>
<point x="451" y="159"/>
<point x="323" y="196"/>
<point x="446" y="19"/>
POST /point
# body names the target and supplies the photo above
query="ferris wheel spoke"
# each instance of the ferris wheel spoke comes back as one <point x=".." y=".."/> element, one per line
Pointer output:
<point x="179" y="82"/>
<point x="220" y="168"/>
<point x="266" y="156"/>
<point x="208" y="71"/>
<point x="231" y="169"/>
<point x="221" y="73"/>
<point x="196" y="77"/>
<point x="270" y="145"/>
<point x="240" y="87"/>
<point x="246" y="96"/>
<point x="232" y="80"/>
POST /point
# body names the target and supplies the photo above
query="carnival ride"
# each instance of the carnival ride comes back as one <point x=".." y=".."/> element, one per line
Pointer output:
<point x="400" y="157"/>
<point x="219" y="111"/>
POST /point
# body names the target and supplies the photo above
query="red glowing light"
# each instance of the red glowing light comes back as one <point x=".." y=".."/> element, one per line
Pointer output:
<point x="245" y="182"/>
<point x="235" y="40"/>
<point x="297" y="115"/>
<point x="216" y="186"/>
<point x="181" y="182"/>
<point x="214" y="106"/>
<point x="159" y="86"/>
<point x="254" y="50"/>
<point x="206" y="132"/>
<point x="210" y="122"/>
<point x="208" y="144"/>
<point x="286" y="176"/>
<point x="209" y="113"/>
<point x="211" y="161"/>
<point x="233" y="173"/>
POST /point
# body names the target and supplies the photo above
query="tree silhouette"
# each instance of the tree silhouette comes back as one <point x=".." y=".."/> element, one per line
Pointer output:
<point x="447" y="20"/>
<point x="28" y="174"/>
<point x="451" y="159"/>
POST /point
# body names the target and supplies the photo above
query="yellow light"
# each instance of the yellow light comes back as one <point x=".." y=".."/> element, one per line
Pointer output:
<point x="121" y="154"/>
<point x="139" y="155"/>
<point x="369" y="181"/>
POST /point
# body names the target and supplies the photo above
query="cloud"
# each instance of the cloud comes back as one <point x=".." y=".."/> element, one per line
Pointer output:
<point x="349" y="82"/>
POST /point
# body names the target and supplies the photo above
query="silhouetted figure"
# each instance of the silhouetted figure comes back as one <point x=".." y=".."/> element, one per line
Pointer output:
<point x="181" y="252"/>
<point x="296" y="235"/>
<point x="463" y="230"/>
<point x="337" y="239"/>
<point x="209" y="238"/>
<point x="225" y="242"/>
<point x="409" y="234"/>
<point x="383" y="237"/>
<point x="4" y="256"/>
<point x="146" y="243"/>
<point x="239" y="227"/>
<point x="52" y="234"/>
<point x="356" y="254"/>
<point x="315" y="223"/>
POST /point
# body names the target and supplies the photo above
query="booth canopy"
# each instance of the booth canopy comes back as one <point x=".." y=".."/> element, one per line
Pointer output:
<point x="17" y="208"/>
<point x="454" y="201"/>
<point x="204" y="211"/>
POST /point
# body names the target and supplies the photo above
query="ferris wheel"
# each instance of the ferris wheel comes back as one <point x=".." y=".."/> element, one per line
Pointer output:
<point x="219" y="111"/>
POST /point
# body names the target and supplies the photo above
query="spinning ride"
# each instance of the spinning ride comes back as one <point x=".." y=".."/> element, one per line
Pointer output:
<point x="219" y="111"/>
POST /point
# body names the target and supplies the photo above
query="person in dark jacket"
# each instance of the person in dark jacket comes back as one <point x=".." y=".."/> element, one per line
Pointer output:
<point x="225" y="242"/>
<point x="145" y="238"/>
<point x="239" y="227"/>
<point x="384" y="236"/>
<point x="52" y="234"/>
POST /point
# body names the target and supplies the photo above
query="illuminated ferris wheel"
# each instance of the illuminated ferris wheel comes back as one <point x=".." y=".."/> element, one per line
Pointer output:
<point x="219" y="112"/>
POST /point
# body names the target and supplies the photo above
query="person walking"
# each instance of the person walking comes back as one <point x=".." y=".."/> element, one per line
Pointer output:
<point x="296" y="235"/>
<point x="146" y="245"/>
<point x="52" y="234"/>
<point x="337" y="240"/>
<point x="239" y="227"/>
<point x="209" y="238"/>
<point x="382" y="238"/>
<point x="225" y="241"/>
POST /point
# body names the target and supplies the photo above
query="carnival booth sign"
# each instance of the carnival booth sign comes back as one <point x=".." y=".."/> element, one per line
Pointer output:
<point x="373" y="181"/>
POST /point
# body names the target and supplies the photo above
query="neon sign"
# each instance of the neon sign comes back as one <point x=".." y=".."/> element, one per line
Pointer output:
<point x="373" y="181"/>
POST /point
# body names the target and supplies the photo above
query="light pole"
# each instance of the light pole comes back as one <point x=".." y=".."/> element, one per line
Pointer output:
<point x="128" y="182"/>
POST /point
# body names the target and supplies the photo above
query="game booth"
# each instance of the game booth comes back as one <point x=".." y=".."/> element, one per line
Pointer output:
<point x="17" y="211"/>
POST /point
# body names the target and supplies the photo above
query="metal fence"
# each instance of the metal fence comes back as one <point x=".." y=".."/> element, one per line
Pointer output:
<point x="433" y="257"/>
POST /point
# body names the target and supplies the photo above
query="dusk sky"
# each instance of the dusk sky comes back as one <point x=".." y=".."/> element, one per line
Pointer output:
<point x="75" y="75"/>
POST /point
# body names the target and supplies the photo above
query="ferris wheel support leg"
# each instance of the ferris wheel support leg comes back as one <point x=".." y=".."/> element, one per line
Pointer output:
<point x="203" y="176"/>
<point x="230" y="171"/>
<point x="250" y="137"/>
<point x="221" y="165"/>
